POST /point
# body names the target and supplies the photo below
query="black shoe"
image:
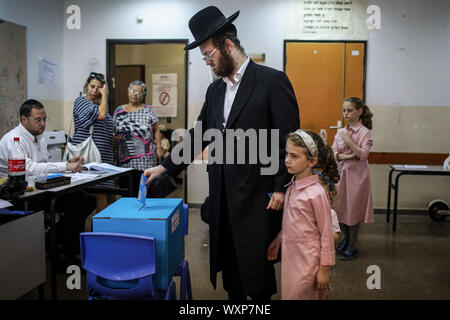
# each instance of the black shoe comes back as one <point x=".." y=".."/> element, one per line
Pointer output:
<point x="342" y="246"/>
<point x="349" y="254"/>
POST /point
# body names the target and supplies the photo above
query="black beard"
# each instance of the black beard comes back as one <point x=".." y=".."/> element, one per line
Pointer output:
<point x="225" y="67"/>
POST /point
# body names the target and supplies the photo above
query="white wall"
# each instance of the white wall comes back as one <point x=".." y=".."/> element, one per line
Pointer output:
<point x="44" y="23"/>
<point x="407" y="60"/>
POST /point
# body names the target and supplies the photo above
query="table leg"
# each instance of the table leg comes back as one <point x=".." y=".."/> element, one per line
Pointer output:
<point x="397" y="181"/>
<point x="53" y="259"/>
<point x="389" y="195"/>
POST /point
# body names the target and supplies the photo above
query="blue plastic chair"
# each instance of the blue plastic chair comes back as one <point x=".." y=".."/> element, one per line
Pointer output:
<point x="121" y="266"/>
<point x="185" y="280"/>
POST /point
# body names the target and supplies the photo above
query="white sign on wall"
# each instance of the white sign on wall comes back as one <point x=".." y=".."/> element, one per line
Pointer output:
<point x="327" y="19"/>
<point x="165" y="94"/>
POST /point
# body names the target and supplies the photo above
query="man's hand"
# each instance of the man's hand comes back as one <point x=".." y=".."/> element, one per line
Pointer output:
<point x="276" y="202"/>
<point x="154" y="172"/>
<point x="77" y="159"/>
<point x="74" y="166"/>
<point x="274" y="248"/>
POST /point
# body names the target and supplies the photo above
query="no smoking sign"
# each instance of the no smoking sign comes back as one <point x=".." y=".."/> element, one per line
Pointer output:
<point x="164" y="98"/>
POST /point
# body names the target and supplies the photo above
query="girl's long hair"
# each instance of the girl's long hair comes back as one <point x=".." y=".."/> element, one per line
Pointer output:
<point x="326" y="164"/>
<point x="366" y="116"/>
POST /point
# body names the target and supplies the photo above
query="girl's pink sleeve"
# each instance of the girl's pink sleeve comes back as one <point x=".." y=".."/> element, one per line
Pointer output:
<point x="321" y="207"/>
<point x="365" y="146"/>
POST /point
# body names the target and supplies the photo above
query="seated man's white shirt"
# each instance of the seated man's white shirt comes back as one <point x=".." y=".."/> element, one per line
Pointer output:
<point x="36" y="153"/>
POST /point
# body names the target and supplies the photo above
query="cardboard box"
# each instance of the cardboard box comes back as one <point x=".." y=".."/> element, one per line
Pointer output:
<point x="160" y="218"/>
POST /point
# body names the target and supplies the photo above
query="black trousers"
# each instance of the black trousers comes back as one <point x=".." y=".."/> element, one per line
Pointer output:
<point x="231" y="275"/>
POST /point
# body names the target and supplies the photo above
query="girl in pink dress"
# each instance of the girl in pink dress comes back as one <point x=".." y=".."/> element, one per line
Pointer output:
<point x="306" y="238"/>
<point x="351" y="148"/>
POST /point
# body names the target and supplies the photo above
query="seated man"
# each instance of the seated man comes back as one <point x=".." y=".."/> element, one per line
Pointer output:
<point x="76" y="205"/>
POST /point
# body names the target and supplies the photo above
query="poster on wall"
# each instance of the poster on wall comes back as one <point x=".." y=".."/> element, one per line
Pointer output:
<point x="165" y="94"/>
<point x="47" y="72"/>
<point x="327" y="19"/>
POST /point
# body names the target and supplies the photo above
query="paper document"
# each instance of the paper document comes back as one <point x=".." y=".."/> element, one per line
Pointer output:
<point x="142" y="196"/>
<point x="81" y="176"/>
<point x="106" y="167"/>
<point x="5" y="204"/>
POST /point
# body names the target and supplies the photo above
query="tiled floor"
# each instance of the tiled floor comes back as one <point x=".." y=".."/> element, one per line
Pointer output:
<point x="414" y="262"/>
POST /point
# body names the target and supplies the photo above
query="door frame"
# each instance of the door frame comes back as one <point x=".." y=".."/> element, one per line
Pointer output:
<point x="285" y="42"/>
<point x="110" y="58"/>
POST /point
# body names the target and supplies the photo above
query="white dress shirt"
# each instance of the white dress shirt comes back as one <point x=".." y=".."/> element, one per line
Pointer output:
<point x="231" y="90"/>
<point x="36" y="153"/>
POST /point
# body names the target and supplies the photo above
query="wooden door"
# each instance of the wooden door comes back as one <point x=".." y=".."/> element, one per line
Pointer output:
<point x="323" y="74"/>
<point x="124" y="75"/>
<point x="354" y="69"/>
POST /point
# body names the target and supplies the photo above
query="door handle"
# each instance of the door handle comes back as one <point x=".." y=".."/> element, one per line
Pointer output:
<point x="113" y="79"/>
<point x="338" y="126"/>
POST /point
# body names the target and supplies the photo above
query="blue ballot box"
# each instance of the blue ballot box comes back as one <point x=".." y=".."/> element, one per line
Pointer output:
<point x="160" y="218"/>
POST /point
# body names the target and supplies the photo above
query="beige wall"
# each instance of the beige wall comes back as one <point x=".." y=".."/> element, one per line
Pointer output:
<point x="410" y="129"/>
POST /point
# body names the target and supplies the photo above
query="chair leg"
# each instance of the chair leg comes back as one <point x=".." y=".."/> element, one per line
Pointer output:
<point x="171" y="293"/>
<point x="185" y="281"/>
<point x="188" y="282"/>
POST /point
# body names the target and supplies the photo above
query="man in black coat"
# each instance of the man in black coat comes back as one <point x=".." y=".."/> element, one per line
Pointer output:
<point x="246" y="190"/>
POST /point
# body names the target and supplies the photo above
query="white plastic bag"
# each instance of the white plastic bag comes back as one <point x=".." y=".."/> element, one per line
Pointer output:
<point x="87" y="149"/>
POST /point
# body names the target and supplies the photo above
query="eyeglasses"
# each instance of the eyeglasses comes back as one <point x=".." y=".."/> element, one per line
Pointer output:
<point x="132" y="91"/>
<point x="208" y="57"/>
<point x="38" y="120"/>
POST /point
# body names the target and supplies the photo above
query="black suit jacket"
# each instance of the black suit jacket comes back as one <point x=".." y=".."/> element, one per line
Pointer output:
<point x="265" y="100"/>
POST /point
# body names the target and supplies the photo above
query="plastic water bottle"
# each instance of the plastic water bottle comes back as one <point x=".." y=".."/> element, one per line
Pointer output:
<point x="17" y="161"/>
<point x="323" y="134"/>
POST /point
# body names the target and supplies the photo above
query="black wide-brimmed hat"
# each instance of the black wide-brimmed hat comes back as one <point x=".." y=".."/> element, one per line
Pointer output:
<point x="205" y="23"/>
